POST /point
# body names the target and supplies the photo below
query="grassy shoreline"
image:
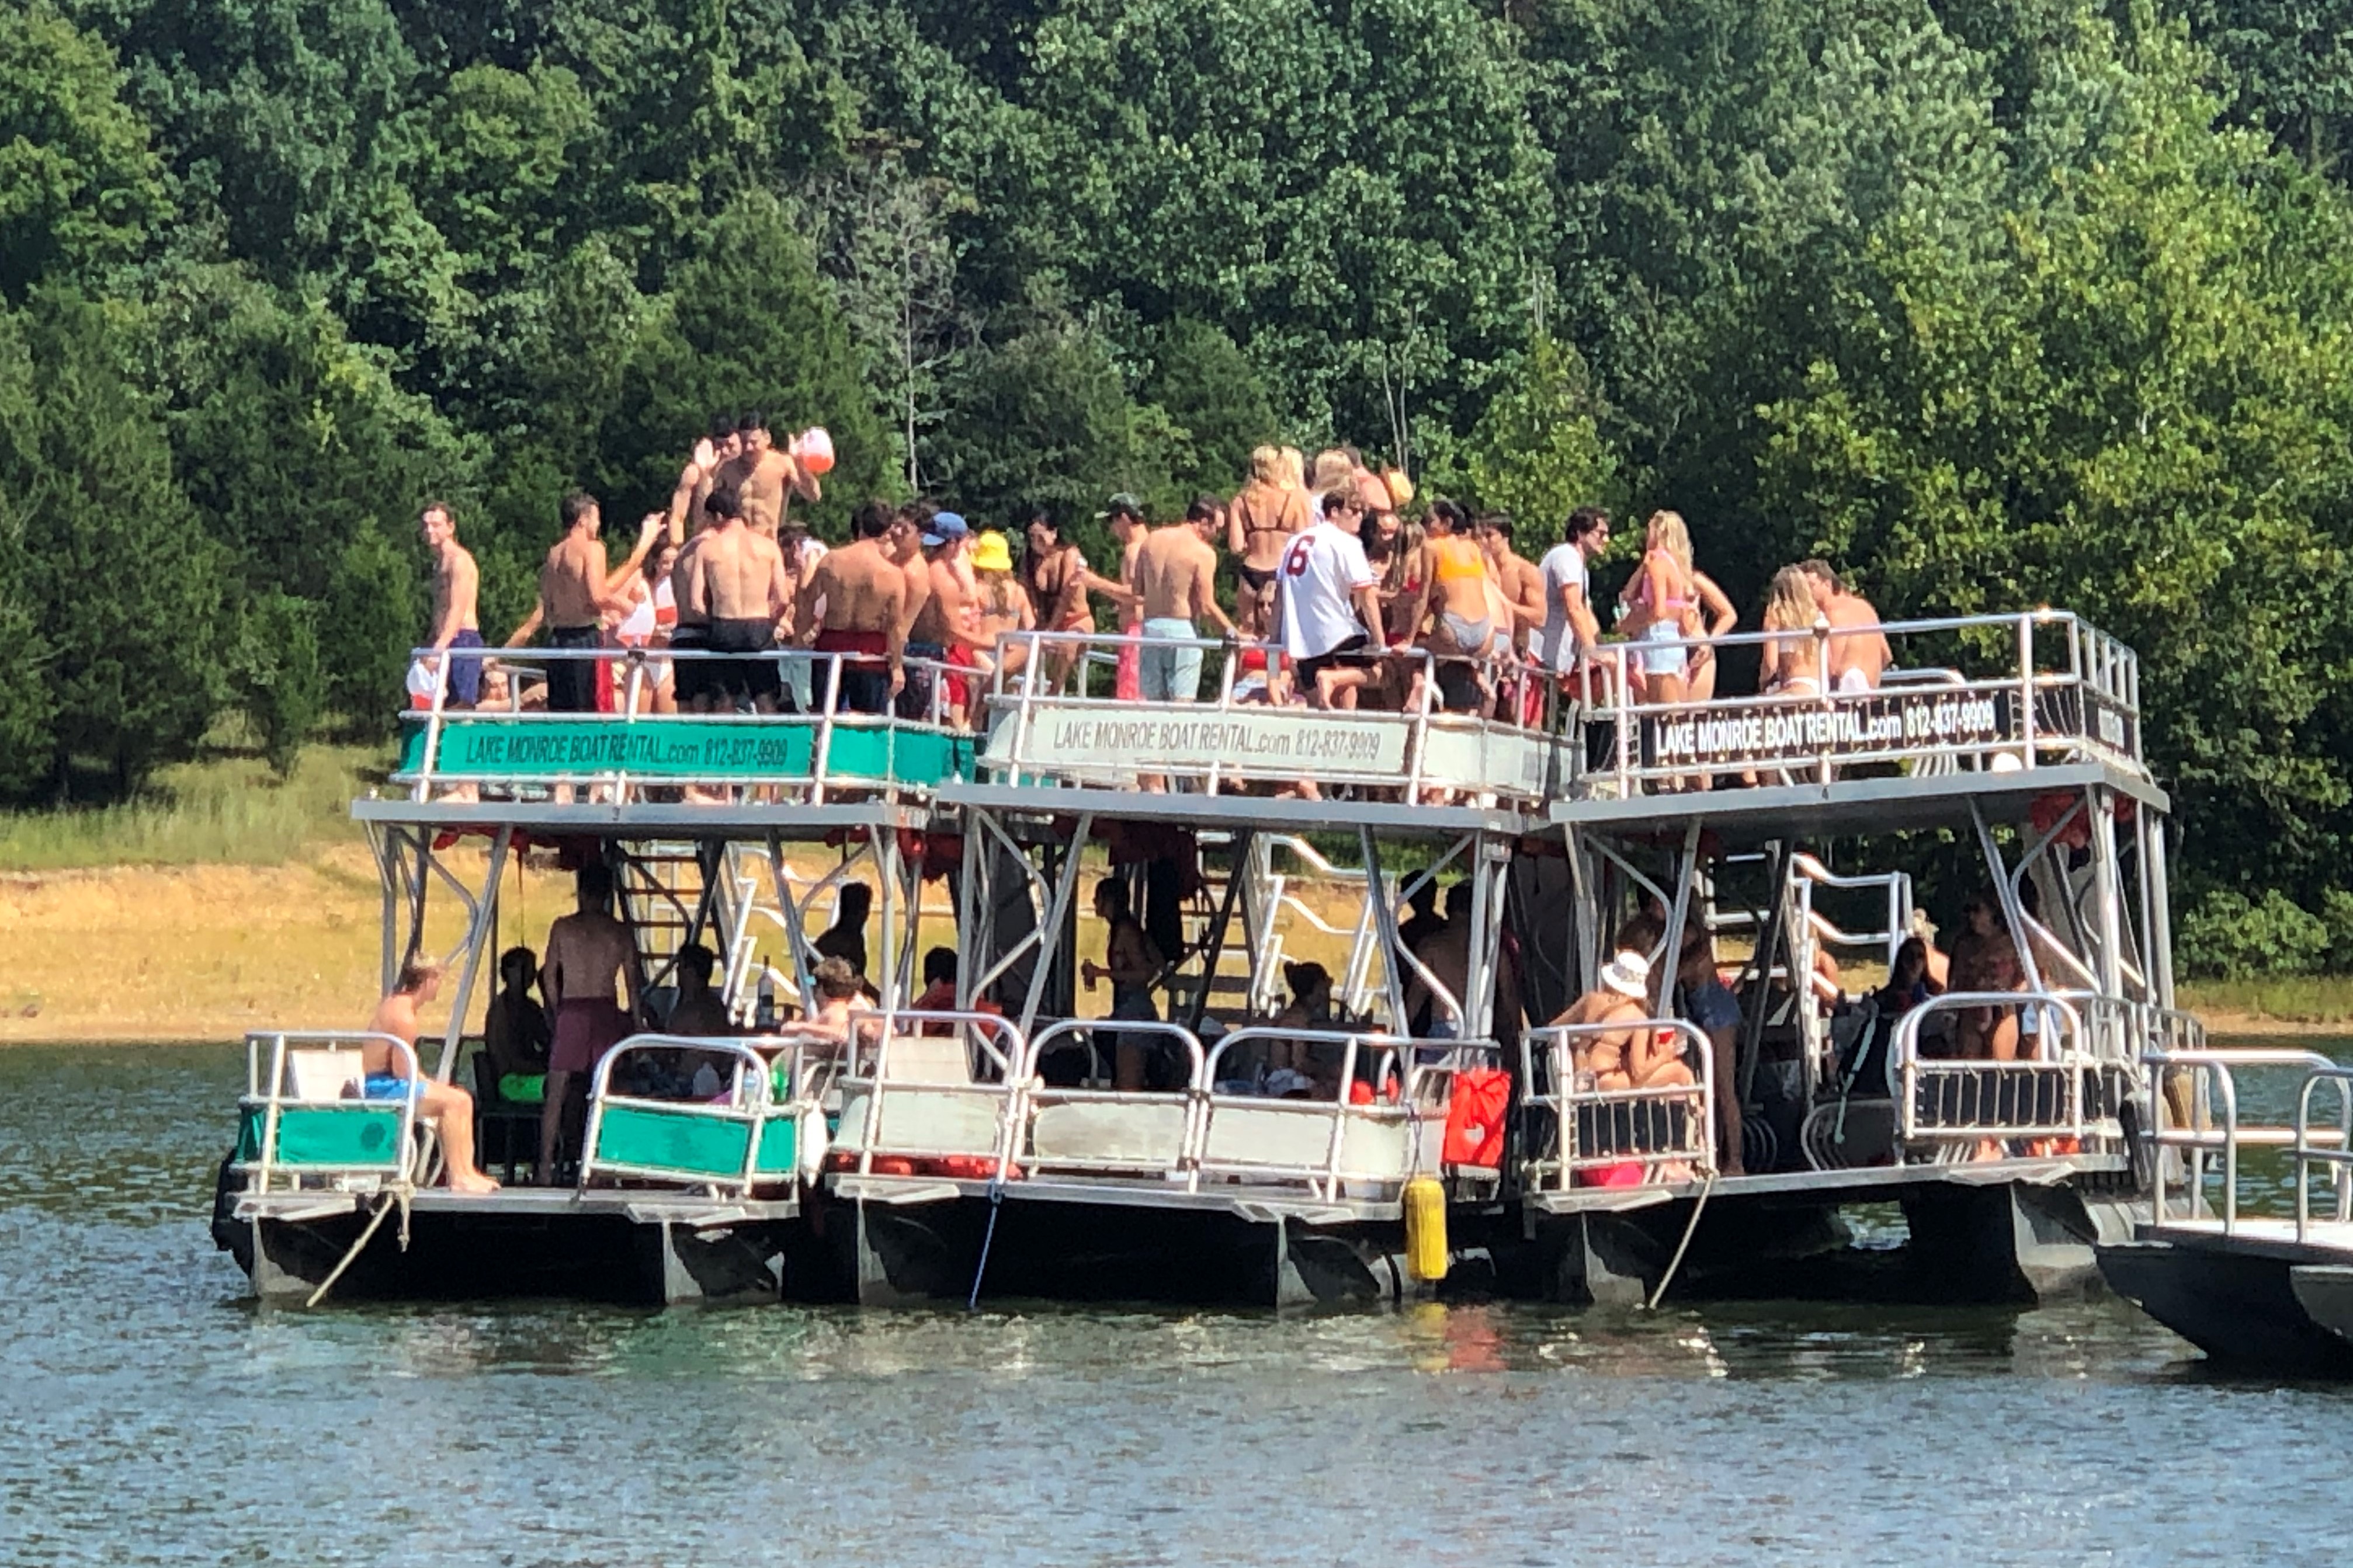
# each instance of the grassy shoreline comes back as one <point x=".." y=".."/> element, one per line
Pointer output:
<point x="204" y="951"/>
<point x="230" y="899"/>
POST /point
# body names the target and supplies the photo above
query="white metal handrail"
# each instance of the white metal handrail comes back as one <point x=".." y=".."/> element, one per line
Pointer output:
<point x="2097" y="673"/>
<point x="271" y="1091"/>
<point x="866" y="1069"/>
<point x="1956" y="1088"/>
<point x="1420" y="1063"/>
<point x="1037" y="1095"/>
<point x="2206" y="1132"/>
<point x="826" y="675"/>
<point x="1022" y="701"/>
<point x="749" y="1097"/>
<point x="1636" y="1113"/>
<point x="2334" y="1156"/>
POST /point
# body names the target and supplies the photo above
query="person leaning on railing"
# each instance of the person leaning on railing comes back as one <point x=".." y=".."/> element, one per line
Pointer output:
<point x="1328" y="606"/>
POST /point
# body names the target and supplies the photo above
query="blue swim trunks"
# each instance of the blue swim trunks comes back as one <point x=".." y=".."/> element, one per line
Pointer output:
<point x="465" y="674"/>
<point x="385" y="1085"/>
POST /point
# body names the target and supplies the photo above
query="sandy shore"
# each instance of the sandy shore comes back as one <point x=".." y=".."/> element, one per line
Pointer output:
<point x="154" y="954"/>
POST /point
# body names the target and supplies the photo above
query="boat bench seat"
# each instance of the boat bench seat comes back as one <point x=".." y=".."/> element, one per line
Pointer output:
<point x="1139" y="1135"/>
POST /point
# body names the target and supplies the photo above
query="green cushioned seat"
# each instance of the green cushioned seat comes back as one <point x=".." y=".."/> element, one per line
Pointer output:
<point x="361" y="1135"/>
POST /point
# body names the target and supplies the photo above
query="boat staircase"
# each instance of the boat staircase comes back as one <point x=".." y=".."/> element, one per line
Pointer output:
<point x="674" y="893"/>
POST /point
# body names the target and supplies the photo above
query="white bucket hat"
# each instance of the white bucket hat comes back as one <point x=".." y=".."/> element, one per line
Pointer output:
<point x="1628" y="974"/>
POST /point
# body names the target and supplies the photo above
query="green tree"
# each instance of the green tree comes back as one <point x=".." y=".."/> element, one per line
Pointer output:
<point x="128" y="593"/>
<point x="1537" y="452"/>
<point x="287" y="435"/>
<point x="747" y="326"/>
<point x="1046" y="420"/>
<point x="279" y="676"/>
<point x="80" y="189"/>
<point x="2132" y="405"/>
<point x="1208" y="389"/>
<point x="375" y="600"/>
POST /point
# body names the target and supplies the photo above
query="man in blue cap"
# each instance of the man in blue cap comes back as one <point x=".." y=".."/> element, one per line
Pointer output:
<point x="939" y="625"/>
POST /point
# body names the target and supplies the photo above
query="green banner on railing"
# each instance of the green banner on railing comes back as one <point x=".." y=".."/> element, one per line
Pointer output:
<point x="782" y="747"/>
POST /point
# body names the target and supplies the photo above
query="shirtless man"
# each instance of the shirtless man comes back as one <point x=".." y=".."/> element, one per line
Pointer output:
<point x="1124" y="519"/>
<point x="864" y="596"/>
<point x="585" y="950"/>
<point x="1259" y="523"/>
<point x="738" y="584"/>
<point x="456" y="582"/>
<point x="837" y="988"/>
<point x="947" y="627"/>
<point x="1445" y="953"/>
<point x="721" y="446"/>
<point x="1175" y="576"/>
<point x="1521" y="583"/>
<point x="766" y="476"/>
<point x="385" y="1072"/>
<point x="1858" y="650"/>
<point x="698" y="1010"/>
<point x="576" y="589"/>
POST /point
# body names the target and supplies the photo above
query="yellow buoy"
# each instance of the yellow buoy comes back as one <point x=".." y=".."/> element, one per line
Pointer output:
<point x="1425" y="1228"/>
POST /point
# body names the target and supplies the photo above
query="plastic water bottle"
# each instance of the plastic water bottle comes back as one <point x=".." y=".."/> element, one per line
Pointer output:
<point x="765" y="1018"/>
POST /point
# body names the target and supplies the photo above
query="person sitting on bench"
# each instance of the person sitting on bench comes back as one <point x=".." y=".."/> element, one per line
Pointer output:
<point x="449" y="1109"/>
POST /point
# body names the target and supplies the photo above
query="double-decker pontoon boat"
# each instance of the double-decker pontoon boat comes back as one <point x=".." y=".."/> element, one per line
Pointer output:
<point x="2004" y="1122"/>
<point x="668" y="1199"/>
<point x="1210" y="1138"/>
<point x="1199" y="1145"/>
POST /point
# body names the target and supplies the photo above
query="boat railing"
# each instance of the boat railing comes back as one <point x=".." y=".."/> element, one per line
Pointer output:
<point x="1614" y="1136"/>
<point x="2061" y="1095"/>
<point x="1335" y="1145"/>
<point x="822" y="746"/>
<point x="929" y="1094"/>
<point x="2202" y="1136"/>
<point x="750" y="1134"/>
<point x="1088" y="1130"/>
<point x="1052" y="724"/>
<point x="305" y="1117"/>
<point x="1995" y="693"/>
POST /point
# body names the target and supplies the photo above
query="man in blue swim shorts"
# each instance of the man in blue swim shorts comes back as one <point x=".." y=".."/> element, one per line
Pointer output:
<point x="449" y="1108"/>
<point x="455" y="583"/>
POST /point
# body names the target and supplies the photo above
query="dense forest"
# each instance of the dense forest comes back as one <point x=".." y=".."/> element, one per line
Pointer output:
<point x="1995" y="301"/>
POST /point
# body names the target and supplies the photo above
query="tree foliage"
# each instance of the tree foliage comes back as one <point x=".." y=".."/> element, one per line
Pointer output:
<point x="1999" y="302"/>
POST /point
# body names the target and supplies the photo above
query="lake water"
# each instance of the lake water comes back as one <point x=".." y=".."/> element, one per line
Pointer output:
<point x="155" y="1415"/>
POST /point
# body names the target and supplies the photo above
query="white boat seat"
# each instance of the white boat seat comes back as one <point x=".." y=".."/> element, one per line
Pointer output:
<point x="927" y="1058"/>
<point x="1140" y="1136"/>
<point x="318" y="1075"/>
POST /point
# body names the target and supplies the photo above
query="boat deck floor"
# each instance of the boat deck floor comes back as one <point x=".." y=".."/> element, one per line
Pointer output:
<point x="647" y="1206"/>
<point x="2324" y="1241"/>
<point x="1247" y="1200"/>
<point x="1864" y="1184"/>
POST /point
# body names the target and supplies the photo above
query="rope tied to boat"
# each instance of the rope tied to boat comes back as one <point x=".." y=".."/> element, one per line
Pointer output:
<point x="396" y="1196"/>
<point x="1676" y="1262"/>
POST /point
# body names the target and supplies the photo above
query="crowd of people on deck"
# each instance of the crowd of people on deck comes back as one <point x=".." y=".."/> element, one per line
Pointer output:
<point x="1347" y="594"/>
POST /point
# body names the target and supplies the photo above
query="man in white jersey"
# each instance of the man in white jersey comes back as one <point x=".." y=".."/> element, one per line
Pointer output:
<point x="1570" y="629"/>
<point x="1328" y="603"/>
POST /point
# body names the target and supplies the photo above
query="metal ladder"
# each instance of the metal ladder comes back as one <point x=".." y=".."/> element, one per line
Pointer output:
<point x="662" y="886"/>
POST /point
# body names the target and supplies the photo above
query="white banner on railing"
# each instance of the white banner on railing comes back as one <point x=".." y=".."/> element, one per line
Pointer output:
<point x="1130" y="740"/>
<point x="1881" y="722"/>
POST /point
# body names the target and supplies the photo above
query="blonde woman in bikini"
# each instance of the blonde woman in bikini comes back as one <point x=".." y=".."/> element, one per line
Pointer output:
<point x="1258" y="525"/>
<point x="1790" y="666"/>
<point x="1661" y="603"/>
